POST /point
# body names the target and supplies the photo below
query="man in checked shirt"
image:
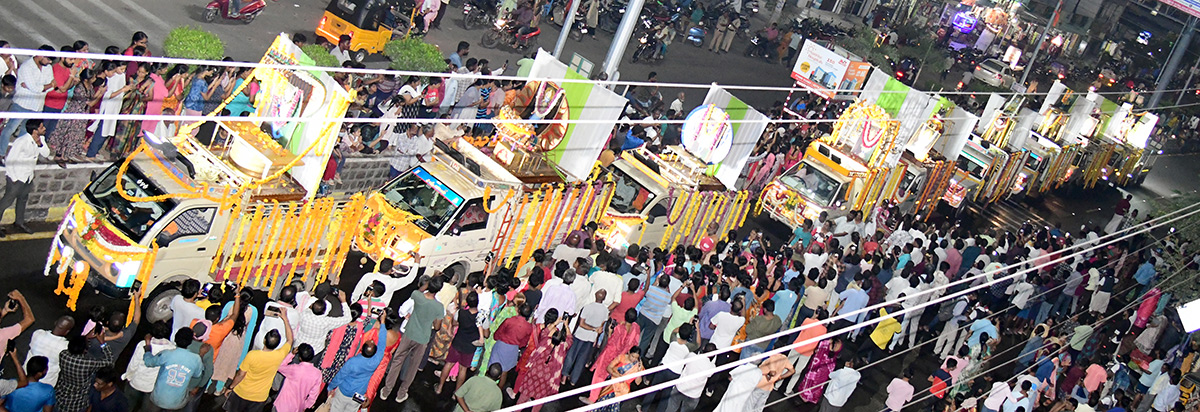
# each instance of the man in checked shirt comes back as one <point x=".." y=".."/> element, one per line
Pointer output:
<point x="77" y="371"/>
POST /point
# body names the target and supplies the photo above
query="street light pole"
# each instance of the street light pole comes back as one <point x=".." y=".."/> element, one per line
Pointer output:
<point x="620" y="40"/>
<point x="1185" y="39"/>
<point x="568" y="25"/>
<point x="1041" y="40"/>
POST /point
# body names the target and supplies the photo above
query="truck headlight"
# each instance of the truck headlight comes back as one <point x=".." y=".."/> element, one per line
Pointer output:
<point x="404" y="246"/>
<point x="126" y="273"/>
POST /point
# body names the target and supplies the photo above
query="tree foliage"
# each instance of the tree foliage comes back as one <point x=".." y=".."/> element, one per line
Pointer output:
<point x="188" y="42"/>
<point x="412" y="54"/>
<point x="320" y="55"/>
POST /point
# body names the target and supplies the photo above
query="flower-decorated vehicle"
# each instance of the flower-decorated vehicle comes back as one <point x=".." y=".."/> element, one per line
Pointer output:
<point x="222" y="201"/>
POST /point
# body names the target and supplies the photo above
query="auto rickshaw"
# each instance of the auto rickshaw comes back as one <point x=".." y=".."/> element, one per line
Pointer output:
<point x="369" y="23"/>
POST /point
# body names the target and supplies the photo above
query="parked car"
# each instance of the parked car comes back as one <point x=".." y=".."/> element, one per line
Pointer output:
<point x="995" y="73"/>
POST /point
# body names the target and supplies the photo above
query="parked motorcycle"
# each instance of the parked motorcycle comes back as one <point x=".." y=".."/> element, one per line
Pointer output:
<point x="250" y="10"/>
<point x="508" y="34"/>
<point x="696" y="34"/>
<point x="478" y="13"/>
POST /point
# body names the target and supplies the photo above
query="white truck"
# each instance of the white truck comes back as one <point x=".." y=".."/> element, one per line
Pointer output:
<point x="235" y="204"/>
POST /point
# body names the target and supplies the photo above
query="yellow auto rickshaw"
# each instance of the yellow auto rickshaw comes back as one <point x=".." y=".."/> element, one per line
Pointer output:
<point x="369" y="23"/>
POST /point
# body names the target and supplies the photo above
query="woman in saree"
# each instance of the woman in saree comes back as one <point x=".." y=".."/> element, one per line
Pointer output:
<point x="344" y="342"/>
<point x="823" y="362"/>
<point x="392" y="324"/>
<point x="127" y="132"/>
<point x="543" y="369"/>
<point x="622" y="365"/>
<point x="621" y="337"/>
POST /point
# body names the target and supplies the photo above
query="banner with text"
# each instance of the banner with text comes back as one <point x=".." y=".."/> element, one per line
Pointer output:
<point x="819" y="69"/>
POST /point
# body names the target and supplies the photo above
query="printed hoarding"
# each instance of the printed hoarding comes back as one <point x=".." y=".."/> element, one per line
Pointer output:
<point x="819" y="69"/>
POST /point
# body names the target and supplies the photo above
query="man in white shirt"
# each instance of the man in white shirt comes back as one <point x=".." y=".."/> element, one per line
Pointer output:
<point x="686" y="393"/>
<point x="19" y="171"/>
<point x="725" y="326"/>
<point x="677" y="104"/>
<point x="183" y="306"/>
<point x="1168" y="395"/>
<point x="404" y="149"/>
<point x="342" y="50"/>
<point x="141" y="377"/>
<point x="842" y="383"/>
<point x="34" y="78"/>
<point x="50" y="343"/>
<point x="385" y="276"/>
<point x="315" y="322"/>
<point x="273" y="322"/>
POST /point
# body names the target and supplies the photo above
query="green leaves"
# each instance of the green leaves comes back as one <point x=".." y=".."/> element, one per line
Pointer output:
<point x="413" y="54"/>
<point x="193" y="43"/>
<point x="320" y="55"/>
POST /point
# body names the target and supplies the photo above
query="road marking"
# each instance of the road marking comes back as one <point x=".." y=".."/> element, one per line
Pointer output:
<point x="118" y="16"/>
<point x="53" y="19"/>
<point x="15" y="237"/>
<point x="79" y="14"/>
<point x="26" y="30"/>
<point x="166" y="28"/>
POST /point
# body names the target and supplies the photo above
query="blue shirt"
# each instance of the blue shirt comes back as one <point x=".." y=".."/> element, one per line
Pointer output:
<point x="1144" y="274"/>
<point x="884" y="275"/>
<point x="456" y="59"/>
<point x="654" y="304"/>
<point x="785" y="301"/>
<point x="980" y="326"/>
<point x="356" y="373"/>
<point x="195" y="96"/>
<point x="31" y="398"/>
<point x="852" y="300"/>
<point x="631" y="141"/>
<point x="710" y="309"/>
<point x="801" y="235"/>
<point x="177" y="368"/>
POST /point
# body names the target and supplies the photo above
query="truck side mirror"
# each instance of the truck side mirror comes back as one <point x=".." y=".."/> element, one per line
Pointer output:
<point x="655" y="211"/>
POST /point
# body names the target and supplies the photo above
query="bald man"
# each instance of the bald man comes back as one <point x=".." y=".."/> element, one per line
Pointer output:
<point x="50" y="343"/>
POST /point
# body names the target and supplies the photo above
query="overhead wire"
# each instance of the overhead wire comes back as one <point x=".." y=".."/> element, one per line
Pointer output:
<point x="606" y="83"/>
<point x="1088" y="246"/>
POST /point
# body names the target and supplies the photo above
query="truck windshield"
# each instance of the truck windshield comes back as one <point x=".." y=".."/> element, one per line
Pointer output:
<point x="132" y="218"/>
<point x="629" y="196"/>
<point x="813" y="184"/>
<point x="971" y="166"/>
<point x="906" y="185"/>
<point x="421" y="194"/>
<point x="1034" y="162"/>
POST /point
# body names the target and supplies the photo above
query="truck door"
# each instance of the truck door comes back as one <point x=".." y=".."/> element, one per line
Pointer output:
<point x="466" y="239"/>
<point x="185" y="244"/>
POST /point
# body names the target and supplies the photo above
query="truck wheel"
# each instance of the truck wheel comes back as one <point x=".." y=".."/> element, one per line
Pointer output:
<point x="158" y="304"/>
<point x="456" y="270"/>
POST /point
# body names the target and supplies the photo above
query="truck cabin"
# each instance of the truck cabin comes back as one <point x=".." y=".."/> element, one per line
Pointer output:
<point x="447" y="194"/>
<point x="824" y="178"/>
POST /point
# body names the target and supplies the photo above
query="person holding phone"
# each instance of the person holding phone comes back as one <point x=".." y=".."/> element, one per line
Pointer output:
<point x="348" y="389"/>
<point x="15" y="301"/>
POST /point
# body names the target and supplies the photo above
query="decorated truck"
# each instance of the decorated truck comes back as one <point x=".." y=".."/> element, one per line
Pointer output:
<point x="221" y="201"/>
<point x="847" y="170"/>
<point x="492" y="199"/>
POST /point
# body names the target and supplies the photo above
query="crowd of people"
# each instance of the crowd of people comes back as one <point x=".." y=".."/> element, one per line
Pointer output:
<point x="1095" y="328"/>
